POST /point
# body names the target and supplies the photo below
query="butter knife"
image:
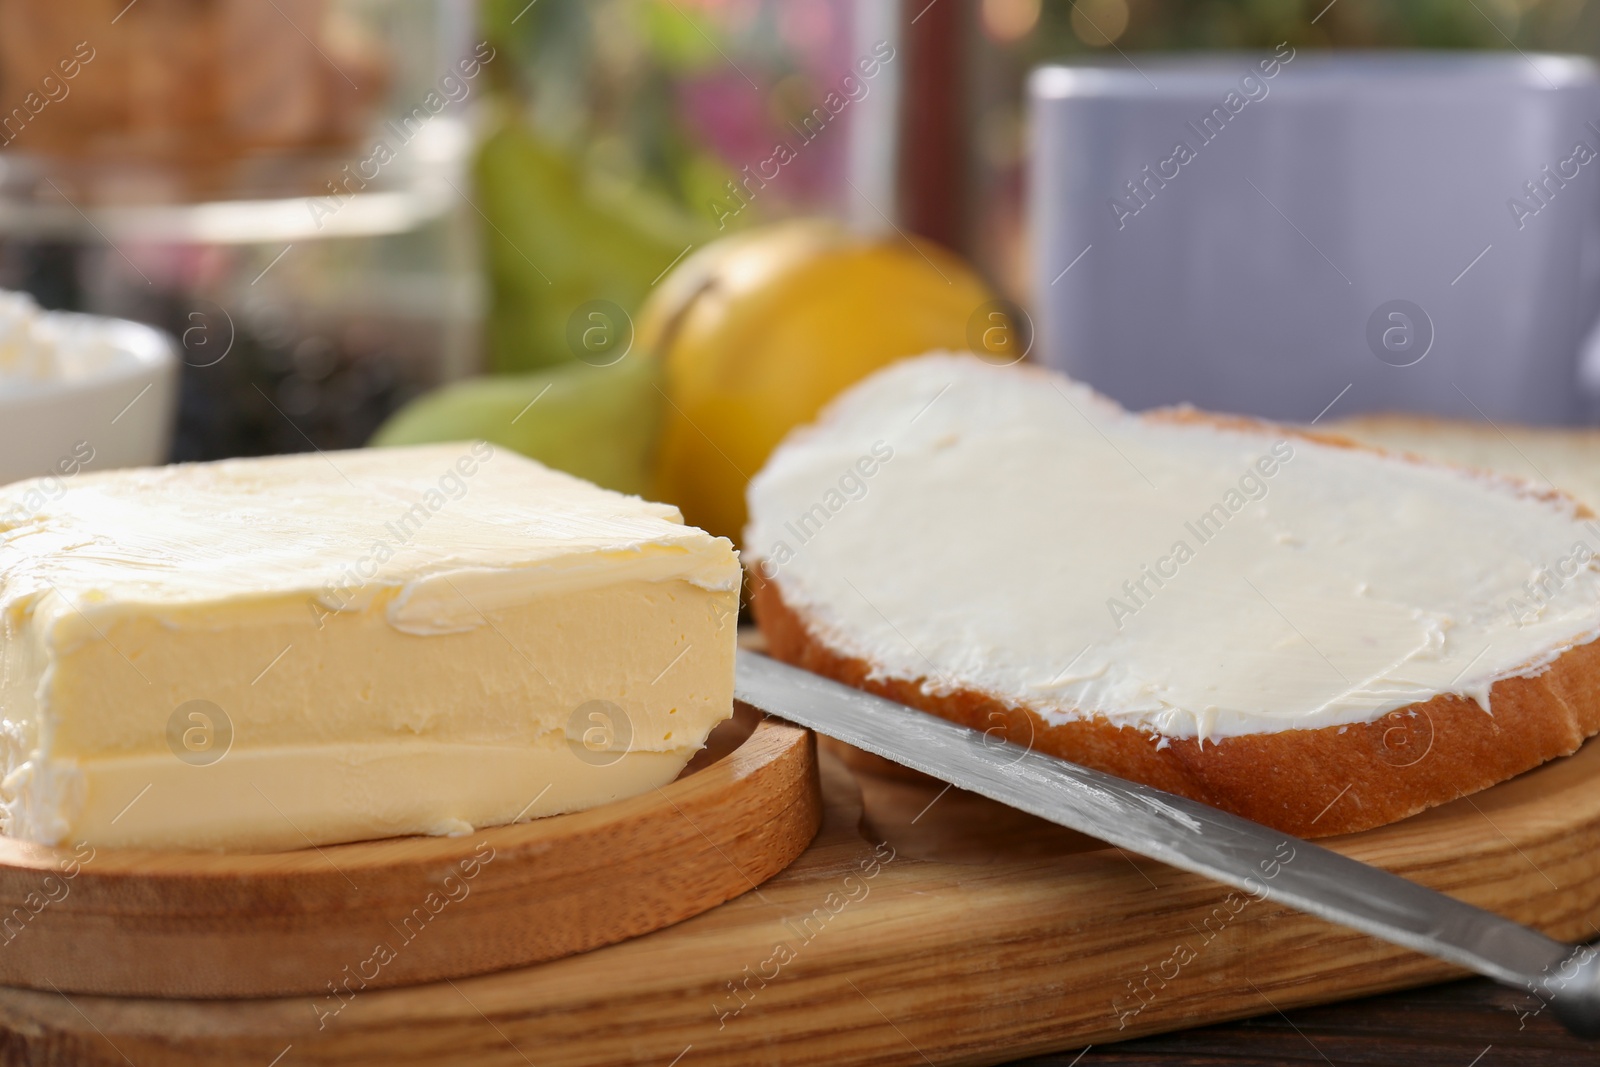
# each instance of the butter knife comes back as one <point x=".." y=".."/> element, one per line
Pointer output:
<point x="1189" y="835"/>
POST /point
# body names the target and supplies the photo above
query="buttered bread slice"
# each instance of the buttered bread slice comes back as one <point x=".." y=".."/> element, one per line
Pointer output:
<point x="275" y="653"/>
<point x="1315" y="635"/>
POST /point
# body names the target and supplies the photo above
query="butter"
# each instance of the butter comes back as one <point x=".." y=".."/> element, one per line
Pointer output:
<point x="28" y="351"/>
<point x="41" y="349"/>
<point x="300" y="650"/>
<point x="1012" y="533"/>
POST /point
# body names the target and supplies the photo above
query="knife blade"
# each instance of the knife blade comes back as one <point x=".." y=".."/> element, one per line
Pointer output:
<point x="1187" y="834"/>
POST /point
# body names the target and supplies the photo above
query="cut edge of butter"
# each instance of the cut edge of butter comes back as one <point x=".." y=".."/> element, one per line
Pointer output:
<point x="295" y="797"/>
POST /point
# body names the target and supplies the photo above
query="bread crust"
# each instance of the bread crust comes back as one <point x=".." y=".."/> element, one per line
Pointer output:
<point x="1310" y="783"/>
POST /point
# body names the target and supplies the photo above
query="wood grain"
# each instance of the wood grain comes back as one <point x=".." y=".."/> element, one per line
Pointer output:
<point x="971" y="934"/>
<point x="351" y="918"/>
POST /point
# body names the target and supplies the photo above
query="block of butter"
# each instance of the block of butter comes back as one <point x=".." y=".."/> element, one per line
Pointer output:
<point x="299" y="650"/>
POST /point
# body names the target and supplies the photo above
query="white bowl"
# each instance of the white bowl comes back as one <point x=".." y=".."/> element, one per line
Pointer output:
<point x="117" y="410"/>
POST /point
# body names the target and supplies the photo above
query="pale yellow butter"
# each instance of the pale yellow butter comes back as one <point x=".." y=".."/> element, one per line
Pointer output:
<point x="310" y="649"/>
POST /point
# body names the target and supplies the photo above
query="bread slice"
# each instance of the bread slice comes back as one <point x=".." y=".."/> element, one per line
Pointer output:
<point x="1338" y="647"/>
<point x="1566" y="459"/>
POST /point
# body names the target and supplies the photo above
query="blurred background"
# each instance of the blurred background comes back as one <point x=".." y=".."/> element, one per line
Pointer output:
<point x="636" y="238"/>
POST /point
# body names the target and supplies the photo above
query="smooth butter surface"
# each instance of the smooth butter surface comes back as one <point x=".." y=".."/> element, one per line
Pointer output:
<point x="380" y="642"/>
<point x="1011" y="532"/>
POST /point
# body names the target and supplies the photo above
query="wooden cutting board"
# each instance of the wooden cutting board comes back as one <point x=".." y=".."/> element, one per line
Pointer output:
<point x="921" y="926"/>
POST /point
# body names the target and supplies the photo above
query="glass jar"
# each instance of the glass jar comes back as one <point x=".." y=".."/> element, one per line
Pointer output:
<point x="281" y="186"/>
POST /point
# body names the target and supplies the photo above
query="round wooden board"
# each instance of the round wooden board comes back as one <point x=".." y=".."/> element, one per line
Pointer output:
<point x="372" y="914"/>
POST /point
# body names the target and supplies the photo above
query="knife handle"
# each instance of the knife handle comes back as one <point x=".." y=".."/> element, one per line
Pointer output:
<point x="1574" y="991"/>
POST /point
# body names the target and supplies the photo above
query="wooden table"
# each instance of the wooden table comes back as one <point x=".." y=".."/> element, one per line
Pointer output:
<point x="1473" y="1023"/>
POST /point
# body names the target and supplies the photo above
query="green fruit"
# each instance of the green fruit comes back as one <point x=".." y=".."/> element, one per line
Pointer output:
<point x="598" y="423"/>
<point x="557" y="240"/>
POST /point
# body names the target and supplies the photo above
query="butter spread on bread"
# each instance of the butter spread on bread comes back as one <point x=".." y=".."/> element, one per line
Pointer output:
<point x="1232" y="609"/>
